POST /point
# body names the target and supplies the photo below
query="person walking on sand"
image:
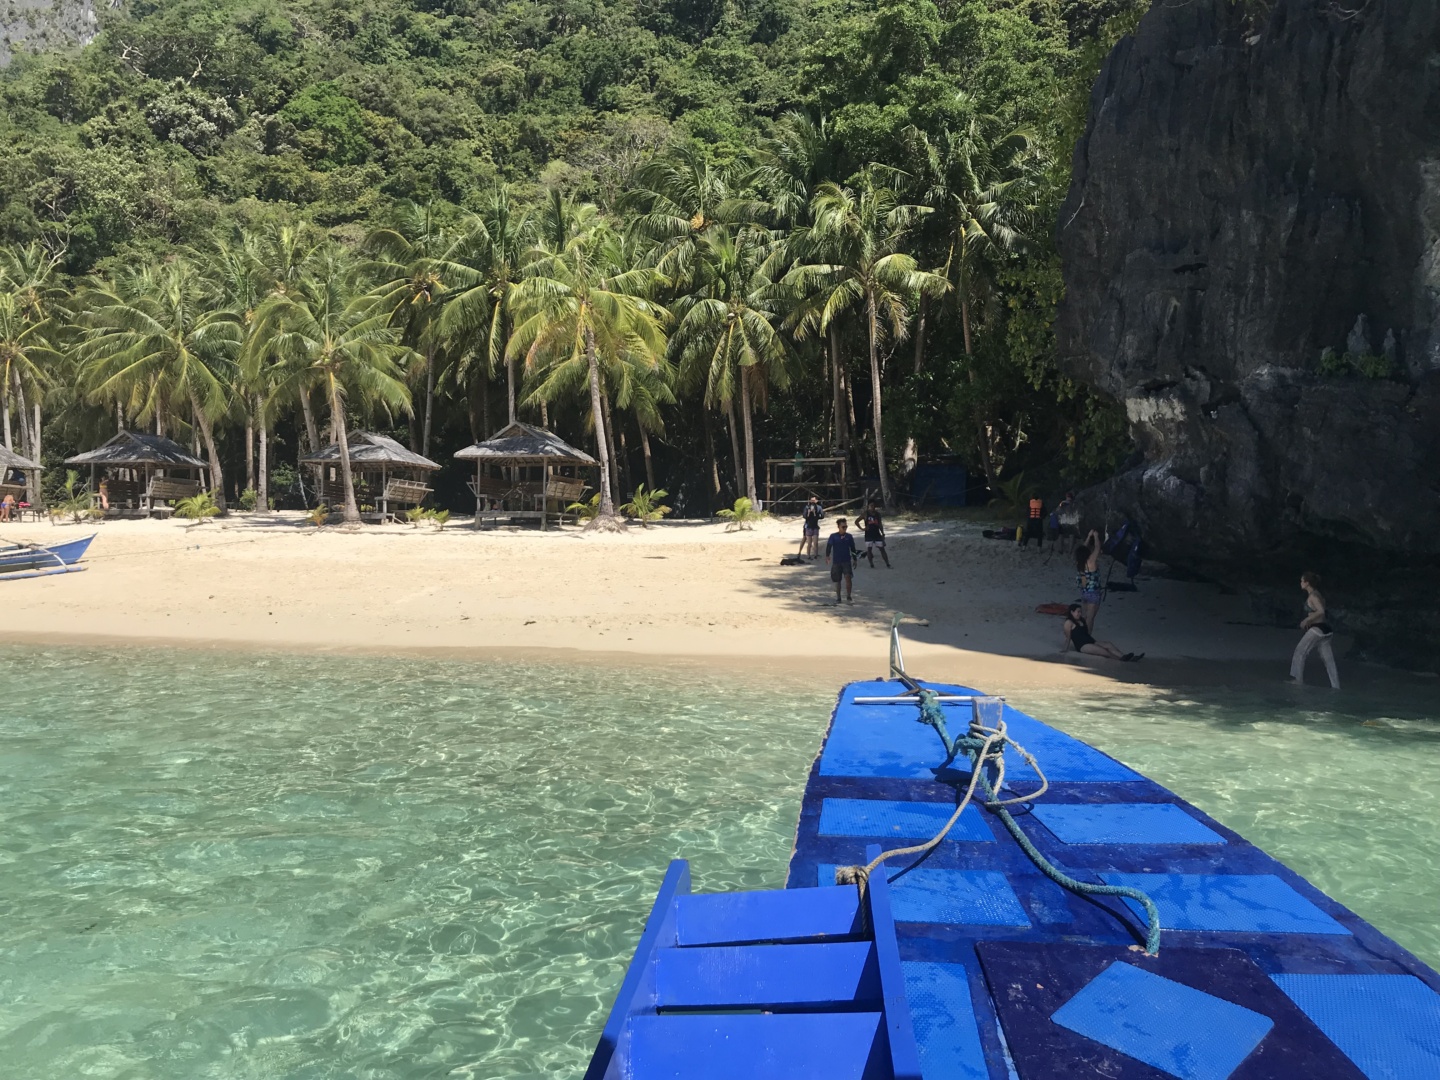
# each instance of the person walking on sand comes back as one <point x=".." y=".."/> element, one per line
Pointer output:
<point x="841" y="554"/>
<point x="1087" y="577"/>
<point x="810" y="537"/>
<point x="875" y="535"/>
<point x="1078" y="637"/>
<point x="1317" y="633"/>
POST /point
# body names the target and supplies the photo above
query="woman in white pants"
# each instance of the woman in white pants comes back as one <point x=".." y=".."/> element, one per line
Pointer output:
<point x="1317" y="633"/>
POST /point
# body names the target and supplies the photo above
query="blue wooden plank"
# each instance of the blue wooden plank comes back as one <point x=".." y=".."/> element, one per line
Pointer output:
<point x="776" y="915"/>
<point x="768" y="976"/>
<point x="904" y="1055"/>
<point x="782" y="1046"/>
<point x="637" y="991"/>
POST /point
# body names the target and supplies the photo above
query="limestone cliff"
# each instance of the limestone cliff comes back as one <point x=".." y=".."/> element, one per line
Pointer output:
<point x="31" y="25"/>
<point x="1252" y="262"/>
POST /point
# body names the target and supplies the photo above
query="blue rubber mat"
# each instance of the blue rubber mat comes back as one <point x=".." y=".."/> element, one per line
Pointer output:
<point x="900" y="820"/>
<point x="1248" y="903"/>
<point x="1066" y="760"/>
<point x="1389" y="1025"/>
<point x="944" y="1022"/>
<point x="1181" y="1031"/>
<point x="958" y="897"/>
<point x="1124" y="823"/>
<point x="1033" y="982"/>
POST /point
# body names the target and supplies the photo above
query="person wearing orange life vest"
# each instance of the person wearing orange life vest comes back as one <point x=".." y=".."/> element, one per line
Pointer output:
<point x="1035" y="525"/>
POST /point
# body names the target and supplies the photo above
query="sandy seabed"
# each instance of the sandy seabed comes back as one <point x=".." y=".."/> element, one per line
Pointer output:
<point x="679" y="592"/>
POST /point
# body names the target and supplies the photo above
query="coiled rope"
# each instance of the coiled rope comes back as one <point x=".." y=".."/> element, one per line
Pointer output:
<point x="985" y="747"/>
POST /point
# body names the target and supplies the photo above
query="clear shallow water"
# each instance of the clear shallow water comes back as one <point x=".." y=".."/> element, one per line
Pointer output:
<point x="278" y="868"/>
<point x="245" y="867"/>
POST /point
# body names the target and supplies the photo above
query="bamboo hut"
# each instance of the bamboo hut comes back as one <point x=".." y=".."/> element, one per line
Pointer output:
<point x="143" y="472"/>
<point x="525" y="472"/>
<point x="385" y="474"/>
<point x="19" y="477"/>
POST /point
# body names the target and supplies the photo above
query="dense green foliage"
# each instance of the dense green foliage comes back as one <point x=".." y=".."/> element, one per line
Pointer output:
<point x="760" y="190"/>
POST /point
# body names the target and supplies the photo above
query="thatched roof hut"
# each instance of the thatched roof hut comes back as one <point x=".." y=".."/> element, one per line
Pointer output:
<point x="11" y="460"/>
<point x="143" y="471"/>
<point x="133" y="450"/>
<point x="524" y="444"/>
<point x="384" y="472"/>
<point x="522" y="470"/>
<point x="28" y="487"/>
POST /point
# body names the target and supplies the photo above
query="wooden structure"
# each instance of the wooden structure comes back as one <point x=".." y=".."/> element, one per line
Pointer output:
<point x="525" y="473"/>
<point x="144" y="472"/>
<point x="18" y="477"/>
<point x="386" y="475"/>
<point x="789" y="482"/>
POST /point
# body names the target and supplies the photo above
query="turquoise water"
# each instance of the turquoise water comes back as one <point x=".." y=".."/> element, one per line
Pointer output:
<point x="276" y="868"/>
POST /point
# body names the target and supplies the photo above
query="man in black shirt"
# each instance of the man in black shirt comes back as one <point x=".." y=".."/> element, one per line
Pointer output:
<point x="840" y="553"/>
<point x="875" y="535"/>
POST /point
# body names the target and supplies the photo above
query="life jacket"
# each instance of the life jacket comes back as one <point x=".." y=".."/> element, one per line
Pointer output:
<point x="1037" y="509"/>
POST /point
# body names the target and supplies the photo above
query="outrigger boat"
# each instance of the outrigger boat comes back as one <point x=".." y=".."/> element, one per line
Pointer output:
<point x="37" y="560"/>
<point x="1049" y="913"/>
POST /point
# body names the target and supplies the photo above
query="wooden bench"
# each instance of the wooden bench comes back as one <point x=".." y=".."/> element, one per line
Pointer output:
<point x="565" y="489"/>
<point x="164" y="489"/>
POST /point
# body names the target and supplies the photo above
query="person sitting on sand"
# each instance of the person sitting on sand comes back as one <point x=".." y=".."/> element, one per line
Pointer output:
<point x="1078" y="637"/>
<point x="875" y="535"/>
<point x="810" y="538"/>
<point x="1317" y="635"/>
<point x="1087" y="576"/>
<point x="840" y="553"/>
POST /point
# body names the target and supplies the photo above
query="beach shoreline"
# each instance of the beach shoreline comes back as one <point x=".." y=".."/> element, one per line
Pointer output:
<point x="682" y="593"/>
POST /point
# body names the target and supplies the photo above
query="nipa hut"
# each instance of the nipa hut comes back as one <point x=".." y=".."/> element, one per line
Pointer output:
<point x="385" y="474"/>
<point x="525" y="472"/>
<point x="145" y="472"/>
<point x="19" y="477"/>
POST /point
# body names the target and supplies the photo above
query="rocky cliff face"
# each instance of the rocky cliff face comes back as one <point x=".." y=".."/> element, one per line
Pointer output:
<point x="31" y="25"/>
<point x="1252" y="261"/>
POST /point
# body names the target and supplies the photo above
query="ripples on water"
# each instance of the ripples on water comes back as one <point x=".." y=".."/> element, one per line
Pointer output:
<point x="278" y="868"/>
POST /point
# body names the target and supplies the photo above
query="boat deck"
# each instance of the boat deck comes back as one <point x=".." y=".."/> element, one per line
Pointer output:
<point x="1009" y="975"/>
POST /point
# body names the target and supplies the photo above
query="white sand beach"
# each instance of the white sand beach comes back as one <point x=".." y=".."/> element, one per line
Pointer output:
<point x="679" y="591"/>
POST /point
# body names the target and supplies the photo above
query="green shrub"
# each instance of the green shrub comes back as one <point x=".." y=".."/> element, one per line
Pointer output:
<point x="249" y="498"/>
<point x="197" y="508"/>
<point x="645" y="506"/>
<point x="742" y="516"/>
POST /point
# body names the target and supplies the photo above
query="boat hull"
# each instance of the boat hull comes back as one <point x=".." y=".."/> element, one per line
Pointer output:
<point x="17" y="560"/>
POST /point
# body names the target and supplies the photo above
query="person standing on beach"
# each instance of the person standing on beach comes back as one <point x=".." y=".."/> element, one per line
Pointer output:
<point x="1087" y="577"/>
<point x="875" y="535"/>
<point x="810" y="538"/>
<point x="1067" y="520"/>
<point x="1317" y="634"/>
<point x="841" y="554"/>
<point x="1035" y="525"/>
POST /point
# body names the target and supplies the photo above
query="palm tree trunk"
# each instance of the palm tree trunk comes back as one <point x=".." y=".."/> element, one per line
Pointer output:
<point x="342" y="439"/>
<point x="250" y="454"/>
<point x="479" y="420"/>
<point x="119" y="419"/>
<point x="920" y="336"/>
<point x="982" y="431"/>
<point x="735" y="448"/>
<point x="875" y="411"/>
<point x="207" y="435"/>
<point x="9" y="444"/>
<point x="32" y="480"/>
<point x="615" y="488"/>
<point x="510" y="385"/>
<point x="838" y="384"/>
<point x="429" y="401"/>
<point x="22" y="413"/>
<point x="649" y="464"/>
<point x="746" y="372"/>
<point x="710" y="454"/>
<point x="262" y="486"/>
<point x="606" y="516"/>
<point x="310" y="429"/>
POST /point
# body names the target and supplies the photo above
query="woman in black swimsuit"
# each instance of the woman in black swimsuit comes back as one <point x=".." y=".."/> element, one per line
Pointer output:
<point x="1078" y="637"/>
<point x="1317" y="633"/>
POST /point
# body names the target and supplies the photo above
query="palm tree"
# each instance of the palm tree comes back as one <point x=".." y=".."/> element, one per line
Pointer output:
<point x="584" y="308"/>
<point x="32" y="326"/>
<point x="154" y="334"/>
<point x="480" y="270"/>
<point x="325" y="330"/>
<point x="727" y="337"/>
<point x="855" y="261"/>
<point x="980" y="184"/>
<point x="411" y="288"/>
<point x="287" y="254"/>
